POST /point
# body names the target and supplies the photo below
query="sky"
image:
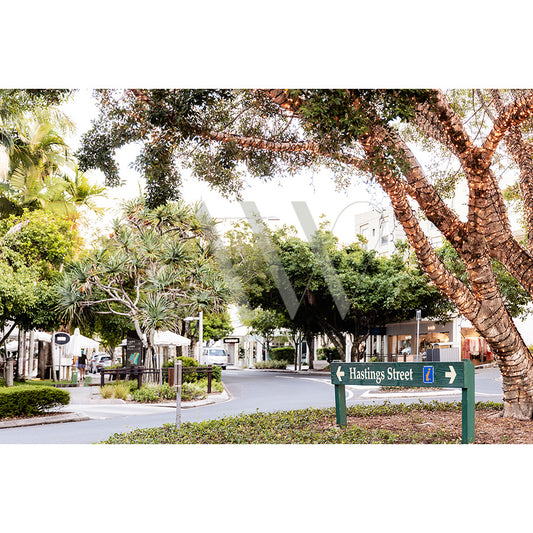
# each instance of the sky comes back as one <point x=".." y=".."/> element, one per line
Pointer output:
<point x="273" y="198"/>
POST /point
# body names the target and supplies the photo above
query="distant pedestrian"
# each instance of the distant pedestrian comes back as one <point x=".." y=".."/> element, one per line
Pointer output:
<point x="82" y="363"/>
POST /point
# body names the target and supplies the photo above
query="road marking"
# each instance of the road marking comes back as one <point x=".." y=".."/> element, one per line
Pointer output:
<point x="349" y="393"/>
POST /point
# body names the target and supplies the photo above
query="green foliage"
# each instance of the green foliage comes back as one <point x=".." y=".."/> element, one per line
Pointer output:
<point x="516" y="298"/>
<point x="285" y="353"/>
<point x="29" y="401"/>
<point x="270" y="364"/>
<point x="186" y="361"/>
<point x="193" y="391"/>
<point x="378" y="289"/>
<point x="32" y="248"/>
<point x="154" y="393"/>
<point x="119" y="389"/>
<point x="304" y="426"/>
<point x="191" y="377"/>
<point x="153" y="270"/>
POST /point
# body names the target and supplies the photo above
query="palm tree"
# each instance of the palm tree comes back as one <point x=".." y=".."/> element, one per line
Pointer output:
<point x="32" y="152"/>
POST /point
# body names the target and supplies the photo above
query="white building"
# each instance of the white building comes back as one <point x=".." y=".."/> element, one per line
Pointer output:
<point x="403" y="341"/>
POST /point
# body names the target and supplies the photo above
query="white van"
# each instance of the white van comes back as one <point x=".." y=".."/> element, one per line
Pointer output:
<point x="215" y="356"/>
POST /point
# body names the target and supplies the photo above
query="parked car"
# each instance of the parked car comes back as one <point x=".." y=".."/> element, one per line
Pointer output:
<point x="103" y="362"/>
<point x="215" y="356"/>
<point x="96" y="359"/>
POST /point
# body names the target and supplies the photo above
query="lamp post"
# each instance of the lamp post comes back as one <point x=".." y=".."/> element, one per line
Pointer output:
<point x="200" y="319"/>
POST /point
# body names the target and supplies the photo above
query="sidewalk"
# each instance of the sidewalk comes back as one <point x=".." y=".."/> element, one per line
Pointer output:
<point x="90" y="395"/>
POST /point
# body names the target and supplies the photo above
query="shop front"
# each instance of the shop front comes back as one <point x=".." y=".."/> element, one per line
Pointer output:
<point x="474" y="347"/>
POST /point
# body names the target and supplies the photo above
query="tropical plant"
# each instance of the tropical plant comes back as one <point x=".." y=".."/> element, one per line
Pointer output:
<point x="154" y="269"/>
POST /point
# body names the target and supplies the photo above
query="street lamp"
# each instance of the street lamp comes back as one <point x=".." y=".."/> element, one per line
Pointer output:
<point x="200" y="319"/>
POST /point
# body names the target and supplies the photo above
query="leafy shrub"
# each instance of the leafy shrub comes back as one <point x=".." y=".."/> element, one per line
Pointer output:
<point x="217" y="373"/>
<point x="154" y="393"/>
<point x="193" y="376"/>
<point x="271" y="364"/>
<point x="328" y="354"/>
<point x="193" y="391"/>
<point x="284" y="353"/>
<point x="186" y="361"/>
<point x="303" y="426"/>
<point x="26" y="400"/>
<point x="189" y="391"/>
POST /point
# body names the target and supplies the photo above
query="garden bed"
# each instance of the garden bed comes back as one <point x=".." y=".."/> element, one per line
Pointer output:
<point x="423" y="423"/>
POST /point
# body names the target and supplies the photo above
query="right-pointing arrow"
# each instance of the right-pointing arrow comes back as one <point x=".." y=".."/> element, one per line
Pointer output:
<point x="340" y="373"/>
<point x="451" y="374"/>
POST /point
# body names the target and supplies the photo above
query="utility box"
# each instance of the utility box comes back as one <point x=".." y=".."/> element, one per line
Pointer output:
<point x="448" y="354"/>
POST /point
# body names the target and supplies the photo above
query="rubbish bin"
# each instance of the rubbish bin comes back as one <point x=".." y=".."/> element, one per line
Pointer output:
<point x="74" y="378"/>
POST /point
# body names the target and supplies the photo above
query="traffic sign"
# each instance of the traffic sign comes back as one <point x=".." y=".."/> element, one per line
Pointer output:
<point x="438" y="374"/>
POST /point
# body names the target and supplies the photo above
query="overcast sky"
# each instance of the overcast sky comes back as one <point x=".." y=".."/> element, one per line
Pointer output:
<point x="273" y="198"/>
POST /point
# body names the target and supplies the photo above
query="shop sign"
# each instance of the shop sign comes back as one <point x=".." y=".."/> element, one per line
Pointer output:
<point x="61" y="338"/>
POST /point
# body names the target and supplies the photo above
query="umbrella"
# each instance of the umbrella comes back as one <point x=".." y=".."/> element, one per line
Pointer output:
<point x="73" y="348"/>
<point x="167" y="338"/>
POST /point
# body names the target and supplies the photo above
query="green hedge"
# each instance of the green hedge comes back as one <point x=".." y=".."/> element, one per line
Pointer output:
<point x="26" y="400"/>
<point x="284" y="353"/>
<point x="194" y="376"/>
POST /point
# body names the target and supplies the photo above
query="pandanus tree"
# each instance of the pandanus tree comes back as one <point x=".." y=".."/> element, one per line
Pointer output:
<point x="220" y="134"/>
<point x="155" y="269"/>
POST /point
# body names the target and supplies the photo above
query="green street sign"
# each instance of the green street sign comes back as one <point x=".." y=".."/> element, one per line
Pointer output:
<point x="430" y="374"/>
<point x="436" y="374"/>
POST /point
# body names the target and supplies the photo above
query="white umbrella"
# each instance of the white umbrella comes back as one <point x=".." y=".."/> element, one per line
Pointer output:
<point x="73" y="348"/>
<point x="167" y="338"/>
<point x="12" y="346"/>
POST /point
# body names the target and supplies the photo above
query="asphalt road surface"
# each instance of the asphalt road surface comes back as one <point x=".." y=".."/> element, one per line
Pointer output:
<point x="250" y="391"/>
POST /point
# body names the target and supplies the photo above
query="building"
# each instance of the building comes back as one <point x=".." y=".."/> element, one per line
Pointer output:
<point x="405" y="340"/>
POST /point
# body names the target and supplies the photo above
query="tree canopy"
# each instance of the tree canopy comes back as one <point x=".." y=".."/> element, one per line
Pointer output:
<point x="379" y="290"/>
<point x="154" y="269"/>
<point x="219" y="135"/>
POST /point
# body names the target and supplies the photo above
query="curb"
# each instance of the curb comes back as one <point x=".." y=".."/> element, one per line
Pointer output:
<point x="40" y="420"/>
<point x="76" y="417"/>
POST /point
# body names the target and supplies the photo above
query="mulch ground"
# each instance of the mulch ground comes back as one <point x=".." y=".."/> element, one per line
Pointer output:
<point x="491" y="428"/>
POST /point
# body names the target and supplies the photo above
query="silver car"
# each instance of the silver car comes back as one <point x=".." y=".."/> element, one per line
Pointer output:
<point x="215" y="356"/>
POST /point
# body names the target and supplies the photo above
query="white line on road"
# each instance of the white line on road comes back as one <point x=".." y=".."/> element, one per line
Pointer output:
<point x="349" y="393"/>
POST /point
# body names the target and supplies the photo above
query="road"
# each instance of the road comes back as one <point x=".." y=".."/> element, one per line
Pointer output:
<point x="250" y="391"/>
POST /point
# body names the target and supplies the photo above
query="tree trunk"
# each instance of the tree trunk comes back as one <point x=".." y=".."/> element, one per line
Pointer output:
<point x="42" y="358"/>
<point x="9" y="372"/>
<point x="21" y="354"/>
<point x="31" y="351"/>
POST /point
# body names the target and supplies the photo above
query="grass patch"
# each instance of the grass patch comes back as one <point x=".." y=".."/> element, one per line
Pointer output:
<point x="304" y="426"/>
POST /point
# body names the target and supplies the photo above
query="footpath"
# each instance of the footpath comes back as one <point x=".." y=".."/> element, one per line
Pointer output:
<point x="82" y="396"/>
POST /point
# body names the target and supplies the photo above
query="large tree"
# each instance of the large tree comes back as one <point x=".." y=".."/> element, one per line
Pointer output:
<point x="378" y="290"/>
<point x="220" y="134"/>
<point x="32" y="249"/>
<point x="155" y="269"/>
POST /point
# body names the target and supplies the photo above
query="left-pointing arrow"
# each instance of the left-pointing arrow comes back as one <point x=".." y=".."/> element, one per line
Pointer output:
<point x="340" y="373"/>
<point x="451" y="374"/>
